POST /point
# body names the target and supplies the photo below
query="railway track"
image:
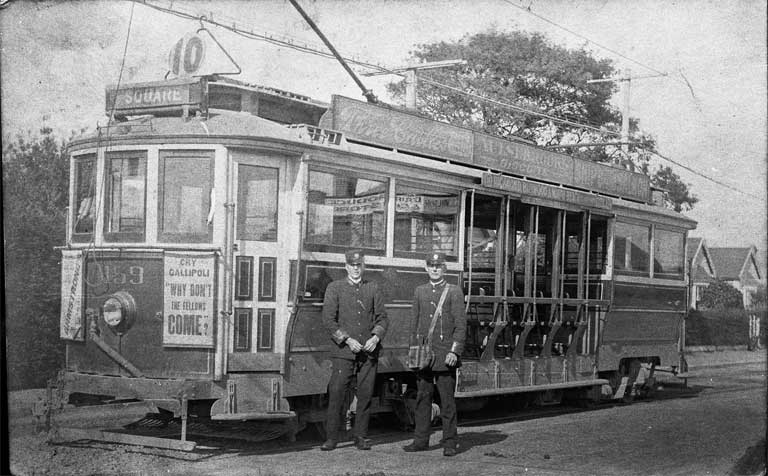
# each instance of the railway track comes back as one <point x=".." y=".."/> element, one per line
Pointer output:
<point x="214" y="437"/>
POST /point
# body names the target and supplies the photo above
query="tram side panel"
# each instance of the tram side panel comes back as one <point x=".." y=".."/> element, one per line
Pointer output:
<point x="644" y="323"/>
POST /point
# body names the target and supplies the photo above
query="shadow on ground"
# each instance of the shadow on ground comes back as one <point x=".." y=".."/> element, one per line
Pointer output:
<point x="752" y="462"/>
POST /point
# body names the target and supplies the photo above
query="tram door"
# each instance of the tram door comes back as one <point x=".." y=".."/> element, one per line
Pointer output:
<point x="258" y="265"/>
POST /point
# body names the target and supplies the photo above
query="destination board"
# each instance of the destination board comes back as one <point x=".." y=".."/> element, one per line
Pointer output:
<point x="556" y="195"/>
<point x="398" y="129"/>
<point x="139" y="97"/>
<point x="406" y="131"/>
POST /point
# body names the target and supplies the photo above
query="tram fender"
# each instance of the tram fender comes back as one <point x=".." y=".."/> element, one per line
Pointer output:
<point x="249" y="394"/>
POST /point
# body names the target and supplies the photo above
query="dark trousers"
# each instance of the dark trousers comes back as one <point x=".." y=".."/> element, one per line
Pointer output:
<point x="426" y="381"/>
<point x="342" y="371"/>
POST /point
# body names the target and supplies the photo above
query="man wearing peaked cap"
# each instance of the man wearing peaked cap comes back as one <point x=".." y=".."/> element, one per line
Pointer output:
<point x="354" y="315"/>
<point x="447" y="342"/>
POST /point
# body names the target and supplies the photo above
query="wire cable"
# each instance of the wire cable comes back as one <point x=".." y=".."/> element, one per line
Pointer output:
<point x="308" y="49"/>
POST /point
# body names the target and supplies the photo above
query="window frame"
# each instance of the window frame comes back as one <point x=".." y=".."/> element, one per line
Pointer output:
<point x="452" y="257"/>
<point x="123" y="236"/>
<point x="623" y="270"/>
<point x="242" y="192"/>
<point x="79" y="237"/>
<point x="666" y="275"/>
<point x="340" y="248"/>
<point x="171" y="237"/>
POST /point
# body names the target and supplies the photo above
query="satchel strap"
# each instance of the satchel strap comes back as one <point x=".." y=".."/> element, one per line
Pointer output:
<point x="438" y="312"/>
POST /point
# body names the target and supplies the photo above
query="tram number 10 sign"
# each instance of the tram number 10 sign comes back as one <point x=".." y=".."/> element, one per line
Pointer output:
<point x="187" y="55"/>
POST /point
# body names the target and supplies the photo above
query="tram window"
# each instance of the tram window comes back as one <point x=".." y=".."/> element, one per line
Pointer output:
<point x="667" y="253"/>
<point x="126" y="182"/>
<point x="425" y="221"/>
<point x="257" y="203"/>
<point x="344" y="211"/>
<point x="185" y="196"/>
<point x="598" y="239"/>
<point x="84" y="184"/>
<point x="631" y="248"/>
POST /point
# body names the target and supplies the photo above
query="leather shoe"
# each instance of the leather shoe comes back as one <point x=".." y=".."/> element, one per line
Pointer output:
<point x="413" y="447"/>
<point x="449" y="451"/>
<point x="362" y="444"/>
<point x="328" y="445"/>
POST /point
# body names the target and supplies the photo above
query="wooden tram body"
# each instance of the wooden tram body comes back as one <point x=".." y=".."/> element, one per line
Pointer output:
<point x="208" y="217"/>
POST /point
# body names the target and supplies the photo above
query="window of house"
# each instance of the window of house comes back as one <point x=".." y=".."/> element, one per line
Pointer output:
<point x="668" y="253"/>
<point x="346" y="210"/>
<point x="257" y="203"/>
<point x="631" y="248"/>
<point x="84" y="186"/>
<point x="126" y="183"/>
<point x="185" y="205"/>
<point x="425" y="221"/>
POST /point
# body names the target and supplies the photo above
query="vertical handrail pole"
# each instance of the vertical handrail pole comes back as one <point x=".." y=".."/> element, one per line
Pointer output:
<point x="469" y="241"/>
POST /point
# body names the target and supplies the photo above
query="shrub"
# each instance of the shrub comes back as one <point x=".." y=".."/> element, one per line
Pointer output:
<point x="717" y="327"/>
<point x="721" y="295"/>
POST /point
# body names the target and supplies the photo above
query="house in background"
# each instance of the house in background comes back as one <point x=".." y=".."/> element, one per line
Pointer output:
<point x="701" y="269"/>
<point x="739" y="268"/>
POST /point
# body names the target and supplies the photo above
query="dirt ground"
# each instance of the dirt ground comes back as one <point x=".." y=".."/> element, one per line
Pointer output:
<point x="718" y="429"/>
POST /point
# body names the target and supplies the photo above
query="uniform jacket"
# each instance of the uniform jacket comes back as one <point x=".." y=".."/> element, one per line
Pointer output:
<point x="450" y="328"/>
<point x="353" y="310"/>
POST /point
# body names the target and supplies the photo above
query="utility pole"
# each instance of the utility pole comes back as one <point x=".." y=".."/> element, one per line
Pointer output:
<point x="411" y="81"/>
<point x="625" y="83"/>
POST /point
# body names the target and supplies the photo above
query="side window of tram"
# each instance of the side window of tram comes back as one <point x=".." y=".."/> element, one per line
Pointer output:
<point x="84" y="185"/>
<point x="346" y="210"/>
<point x="631" y="248"/>
<point x="186" y="180"/>
<point x="425" y="221"/>
<point x="126" y="182"/>
<point x="257" y="203"/>
<point x="668" y="253"/>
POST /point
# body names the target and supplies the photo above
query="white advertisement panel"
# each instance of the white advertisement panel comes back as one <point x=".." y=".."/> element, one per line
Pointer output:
<point x="71" y="321"/>
<point x="188" y="299"/>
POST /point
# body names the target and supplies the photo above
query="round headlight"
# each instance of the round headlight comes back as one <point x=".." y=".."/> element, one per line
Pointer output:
<point x="113" y="311"/>
<point x="119" y="311"/>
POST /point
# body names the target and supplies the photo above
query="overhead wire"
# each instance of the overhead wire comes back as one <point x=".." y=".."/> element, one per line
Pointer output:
<point x="318" y="52"/>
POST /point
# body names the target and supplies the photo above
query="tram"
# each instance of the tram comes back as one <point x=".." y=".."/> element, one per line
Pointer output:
<point x="208" y="216"/>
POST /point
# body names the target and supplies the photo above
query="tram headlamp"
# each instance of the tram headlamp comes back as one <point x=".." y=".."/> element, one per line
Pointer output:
<point x="113" y="312"/>
<point x="118" y="311"/>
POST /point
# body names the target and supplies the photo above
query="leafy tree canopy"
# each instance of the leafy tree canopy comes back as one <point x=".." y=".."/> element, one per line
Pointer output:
<point x="721" y="295"/>
<point x="530" y="72"/>
<point x="35" y="184"/>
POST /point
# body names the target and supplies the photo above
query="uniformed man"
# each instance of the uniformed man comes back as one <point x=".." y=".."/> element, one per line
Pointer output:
<point x="354" y="314"/>
<point x="447" y="344"/>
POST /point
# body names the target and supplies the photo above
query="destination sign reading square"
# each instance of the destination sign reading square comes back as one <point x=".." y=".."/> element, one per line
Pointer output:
<point x="188" y="300"/>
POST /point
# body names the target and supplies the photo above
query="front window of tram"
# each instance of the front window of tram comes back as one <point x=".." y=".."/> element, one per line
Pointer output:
<point x="84" y="185"/>
<point x="186" y="181"/>
<point x="126" y="186"/>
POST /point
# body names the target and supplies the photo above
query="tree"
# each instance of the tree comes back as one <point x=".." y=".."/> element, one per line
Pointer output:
<point x="721" y="295"/>
<point x="35" y="184"/>
<point x="528" y="71"/>
<point x="676" y="196"/>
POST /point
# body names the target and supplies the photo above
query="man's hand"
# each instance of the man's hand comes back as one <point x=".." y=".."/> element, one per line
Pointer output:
<point x="353" y="345"/>
<point x="451" y="359"/>
<point x="370" y="344"/>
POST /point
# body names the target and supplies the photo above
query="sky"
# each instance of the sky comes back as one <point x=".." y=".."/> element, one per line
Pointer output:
<point x="707" y="113"/>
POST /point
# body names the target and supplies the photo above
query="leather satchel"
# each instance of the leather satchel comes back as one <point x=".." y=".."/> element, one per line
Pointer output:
<point x="420" y="353"/>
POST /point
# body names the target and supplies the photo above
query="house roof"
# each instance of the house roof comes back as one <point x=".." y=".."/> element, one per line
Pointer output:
<point x="731" y="262"/>
<point x="692" y="247"/>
